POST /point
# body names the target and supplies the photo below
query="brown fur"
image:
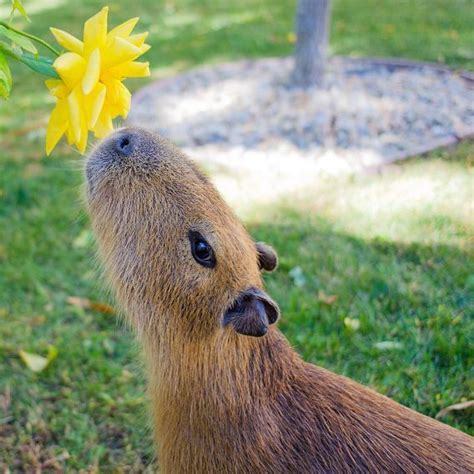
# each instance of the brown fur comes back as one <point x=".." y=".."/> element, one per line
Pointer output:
<point x="224" y="402"/>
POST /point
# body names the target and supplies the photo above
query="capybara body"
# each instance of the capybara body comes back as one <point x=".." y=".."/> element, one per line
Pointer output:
<point x="229" y="395"/>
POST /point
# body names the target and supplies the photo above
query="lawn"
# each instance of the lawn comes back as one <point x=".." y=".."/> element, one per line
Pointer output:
<point x="382" y="258"/>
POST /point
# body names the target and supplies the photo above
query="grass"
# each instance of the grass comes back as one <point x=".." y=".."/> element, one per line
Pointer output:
<point x="394" y="248"/>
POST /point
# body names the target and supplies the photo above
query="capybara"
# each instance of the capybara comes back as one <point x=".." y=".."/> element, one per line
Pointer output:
<point x="228" y="393"/>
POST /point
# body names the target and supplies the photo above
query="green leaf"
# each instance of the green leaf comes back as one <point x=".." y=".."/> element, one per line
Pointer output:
<point x="39" y="64"/>
<point x="5" y="77"/>
<point x="18" y="6"/>
<point x="18" y="39"/>
<point x="10" y="50"/>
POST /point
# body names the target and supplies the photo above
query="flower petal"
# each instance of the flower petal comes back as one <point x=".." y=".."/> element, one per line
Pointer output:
<point x="67" y="41"/>
<point x="124" y="29"/>
<point x="91" y="76"/>
<point x="138" y="39"/>
<point x="95" y="31"/>
<point x="70" y="136"/>
<point x="104" y="124"/>
<point x="57" y="125"/>
<point x="57" y="88"/>
<point x="124" y="99"/>
<point x="131" y="69"/>
<point x="144" y="48"/>
<point x="74" y="108"/>
<point x="118" y="98"/>
<point x="70" y="67"/>
<point x="82" y="145"/>
<point x="95" y="104"/>
<point x="53" y="84"/>
<point x="120" y="51"/>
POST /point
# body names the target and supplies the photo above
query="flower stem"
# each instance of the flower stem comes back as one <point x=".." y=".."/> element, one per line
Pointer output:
<point x="32" y="37"/>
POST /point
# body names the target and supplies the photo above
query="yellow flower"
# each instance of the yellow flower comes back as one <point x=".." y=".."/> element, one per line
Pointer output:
<point x="90" y="92"/>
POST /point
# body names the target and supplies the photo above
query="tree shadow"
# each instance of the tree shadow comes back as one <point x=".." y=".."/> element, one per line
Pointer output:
<point x="417" y="297"/>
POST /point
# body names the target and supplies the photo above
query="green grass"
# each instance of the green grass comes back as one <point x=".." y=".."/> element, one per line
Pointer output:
<point x="394" y="248"/>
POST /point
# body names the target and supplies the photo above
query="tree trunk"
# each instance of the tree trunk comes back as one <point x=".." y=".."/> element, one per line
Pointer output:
<point x="312" y="28"/>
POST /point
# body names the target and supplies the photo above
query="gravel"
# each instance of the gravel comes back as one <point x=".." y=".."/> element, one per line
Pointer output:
<point x="245" y="116"/>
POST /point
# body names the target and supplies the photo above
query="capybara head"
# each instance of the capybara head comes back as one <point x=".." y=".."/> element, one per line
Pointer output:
<point x="174" y="252"/>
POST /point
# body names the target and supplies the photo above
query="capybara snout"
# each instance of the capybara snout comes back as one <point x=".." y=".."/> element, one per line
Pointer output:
<point x="123" y="143"/>
<point x="128" y="150"/>
<point x="167" y="238"/>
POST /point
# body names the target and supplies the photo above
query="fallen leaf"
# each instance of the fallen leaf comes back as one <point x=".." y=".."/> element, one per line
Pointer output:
<point x="297" y="275"/>
<point x="38" y="363"/>
<point x="18" y="132"/>
<point x="38" y="320"/>
<point x="52" y="353"/>
<point x="108" y="346"/>
<point x="291" y="37"/>
<point x="5" y="399"/>
<point x="107" y="398"/>
<point x="125" y="377"/>
<point x="352" y="323"/>
<point x="326" y="299"/>
<point x="453" y="34"/>
<point x="34" y="362"/>
<point x="55" y="461"/>
<point x="389" y="29"/>
<point x="84" y="239"/>
<point x="388" y="345"/>
<point x="32" y="170"/>
<point x="86" y="303"/>
<point x="455" y="407"/>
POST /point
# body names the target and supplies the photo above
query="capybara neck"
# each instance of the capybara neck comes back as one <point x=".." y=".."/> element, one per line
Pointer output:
<point x="223" y="361"/>
<point x="209" y="389"/>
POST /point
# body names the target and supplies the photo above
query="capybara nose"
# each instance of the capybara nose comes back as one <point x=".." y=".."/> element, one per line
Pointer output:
<point x="123" y="143"/>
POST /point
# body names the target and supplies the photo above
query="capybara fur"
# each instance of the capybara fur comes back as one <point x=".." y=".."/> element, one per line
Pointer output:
<point x="228" y="393"/>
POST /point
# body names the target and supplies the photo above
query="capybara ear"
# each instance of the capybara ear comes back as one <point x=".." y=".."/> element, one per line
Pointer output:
<point x="267" y="257"/>
<point x="252" y="312"/>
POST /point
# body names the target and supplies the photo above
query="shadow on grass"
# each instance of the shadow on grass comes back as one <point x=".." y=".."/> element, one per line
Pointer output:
<point x="418" y="297"/>
<point x="90" y="402"/>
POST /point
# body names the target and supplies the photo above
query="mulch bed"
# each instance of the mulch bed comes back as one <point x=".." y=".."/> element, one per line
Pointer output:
<point x="370" y="111"/>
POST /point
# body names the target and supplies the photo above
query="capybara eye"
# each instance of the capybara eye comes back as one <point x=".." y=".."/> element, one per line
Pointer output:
<point x="201" y="250"/>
